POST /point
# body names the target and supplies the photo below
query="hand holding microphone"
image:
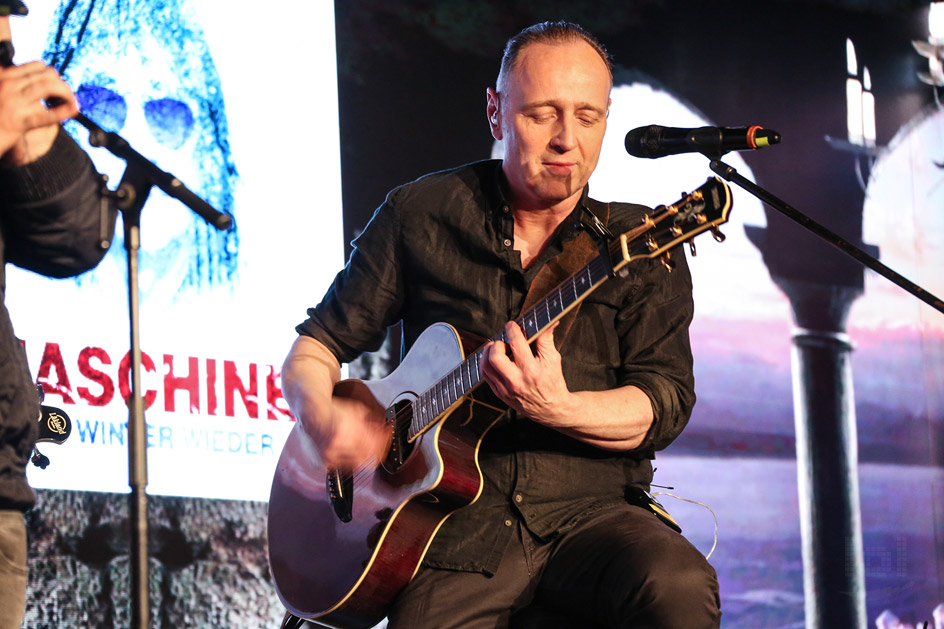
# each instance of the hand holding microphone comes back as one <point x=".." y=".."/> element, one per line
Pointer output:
<point x="33" y="99"/>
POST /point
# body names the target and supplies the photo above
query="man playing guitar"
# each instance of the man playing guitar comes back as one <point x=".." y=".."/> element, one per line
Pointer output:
<point x="554" y="520"/>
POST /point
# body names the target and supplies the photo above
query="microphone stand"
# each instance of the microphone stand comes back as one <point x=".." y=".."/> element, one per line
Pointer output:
<point x="729" y="173"/>
<point x="139" y="177"/>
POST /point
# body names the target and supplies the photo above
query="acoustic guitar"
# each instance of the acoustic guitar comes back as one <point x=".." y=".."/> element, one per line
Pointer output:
<point x="343" y="544"/>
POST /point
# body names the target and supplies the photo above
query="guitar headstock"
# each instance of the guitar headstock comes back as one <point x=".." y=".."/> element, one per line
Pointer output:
<point x="701" y="210"/>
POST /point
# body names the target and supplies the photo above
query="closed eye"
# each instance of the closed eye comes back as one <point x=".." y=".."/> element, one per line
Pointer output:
<point x="541" y="118"/>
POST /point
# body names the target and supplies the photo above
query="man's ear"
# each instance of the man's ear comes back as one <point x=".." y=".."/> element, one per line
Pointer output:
<point x="493" y="112"/>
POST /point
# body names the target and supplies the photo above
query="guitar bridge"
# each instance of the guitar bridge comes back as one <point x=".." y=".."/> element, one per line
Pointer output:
<point x="340" y="486"/>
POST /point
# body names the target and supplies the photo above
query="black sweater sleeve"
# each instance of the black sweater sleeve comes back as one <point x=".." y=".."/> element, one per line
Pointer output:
<point x="51" y="215"/>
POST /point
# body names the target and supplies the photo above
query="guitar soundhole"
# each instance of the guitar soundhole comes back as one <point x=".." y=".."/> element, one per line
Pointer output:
<point x="399" y="416"/>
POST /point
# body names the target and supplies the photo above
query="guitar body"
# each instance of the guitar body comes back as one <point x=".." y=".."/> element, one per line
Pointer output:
<point x="345" y="574"/>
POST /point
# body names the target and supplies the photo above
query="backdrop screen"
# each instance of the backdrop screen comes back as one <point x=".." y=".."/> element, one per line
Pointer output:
<point x="242" y="107"/>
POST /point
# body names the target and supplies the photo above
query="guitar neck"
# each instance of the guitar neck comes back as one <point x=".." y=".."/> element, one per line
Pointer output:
<point x="562" y="299"/>
<point x="462" y="380"/>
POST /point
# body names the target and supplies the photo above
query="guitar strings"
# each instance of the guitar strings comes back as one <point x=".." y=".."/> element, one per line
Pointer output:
<point x="597" y="268"/>
<point x="403" y="417"/>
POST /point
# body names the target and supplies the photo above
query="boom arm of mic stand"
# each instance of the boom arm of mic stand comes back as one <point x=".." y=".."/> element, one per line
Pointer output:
<point x="831" y="237"/>
<point x="154" y="175"/>
<point x="140" y="169"/>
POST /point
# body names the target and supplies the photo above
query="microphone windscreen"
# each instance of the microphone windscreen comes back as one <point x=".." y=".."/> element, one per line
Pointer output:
<point x="644" y="141"/>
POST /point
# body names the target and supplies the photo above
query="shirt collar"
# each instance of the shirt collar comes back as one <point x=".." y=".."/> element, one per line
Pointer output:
<point x="497" y="199"/>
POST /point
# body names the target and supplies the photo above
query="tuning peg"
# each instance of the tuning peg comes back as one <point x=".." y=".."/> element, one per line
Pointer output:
<point x="691" y="247"/>
<point x="716" y="233"/>
<point x="667" y="262"/>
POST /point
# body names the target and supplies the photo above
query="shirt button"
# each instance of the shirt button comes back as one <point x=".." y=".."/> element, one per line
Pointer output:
<point x="505" y="209"/>
<point x="507" y="242"/>
<point x="518" y="497"/>
<point x="508" y="522"/>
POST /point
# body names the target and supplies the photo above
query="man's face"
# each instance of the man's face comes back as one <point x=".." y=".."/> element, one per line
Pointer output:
<point x="551" y="118"/>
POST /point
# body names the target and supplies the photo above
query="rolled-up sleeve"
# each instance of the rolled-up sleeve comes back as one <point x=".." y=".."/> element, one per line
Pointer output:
<point x="53" y="217"/>
<point x="367" y="294"/>
<point x="655" y="349"/>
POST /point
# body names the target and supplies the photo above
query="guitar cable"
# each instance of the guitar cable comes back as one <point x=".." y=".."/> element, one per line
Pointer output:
<point x="713" y="514"/>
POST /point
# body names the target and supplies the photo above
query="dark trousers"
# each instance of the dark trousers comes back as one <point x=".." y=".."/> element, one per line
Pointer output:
<point x="620" y="568"/>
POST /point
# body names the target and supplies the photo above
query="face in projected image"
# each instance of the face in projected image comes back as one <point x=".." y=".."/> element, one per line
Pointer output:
<point x="142" y="69"/>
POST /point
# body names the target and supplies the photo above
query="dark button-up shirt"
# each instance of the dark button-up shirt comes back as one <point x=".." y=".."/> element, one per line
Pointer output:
<point x="442" y="249"/>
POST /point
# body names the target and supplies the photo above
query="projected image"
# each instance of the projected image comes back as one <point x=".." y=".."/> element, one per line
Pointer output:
<point x="902" y="493"/>
<point x="143" y="69"/>
<point x="218" y="309"/>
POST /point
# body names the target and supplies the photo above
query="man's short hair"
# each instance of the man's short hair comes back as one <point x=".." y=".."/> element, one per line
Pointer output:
<point x="547" y="33"/>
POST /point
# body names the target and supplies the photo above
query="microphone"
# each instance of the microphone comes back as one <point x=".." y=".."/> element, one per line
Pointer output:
<point x="655" y="141"/>
<point x="8" y="8"/>
<point x="12" y="7"/>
